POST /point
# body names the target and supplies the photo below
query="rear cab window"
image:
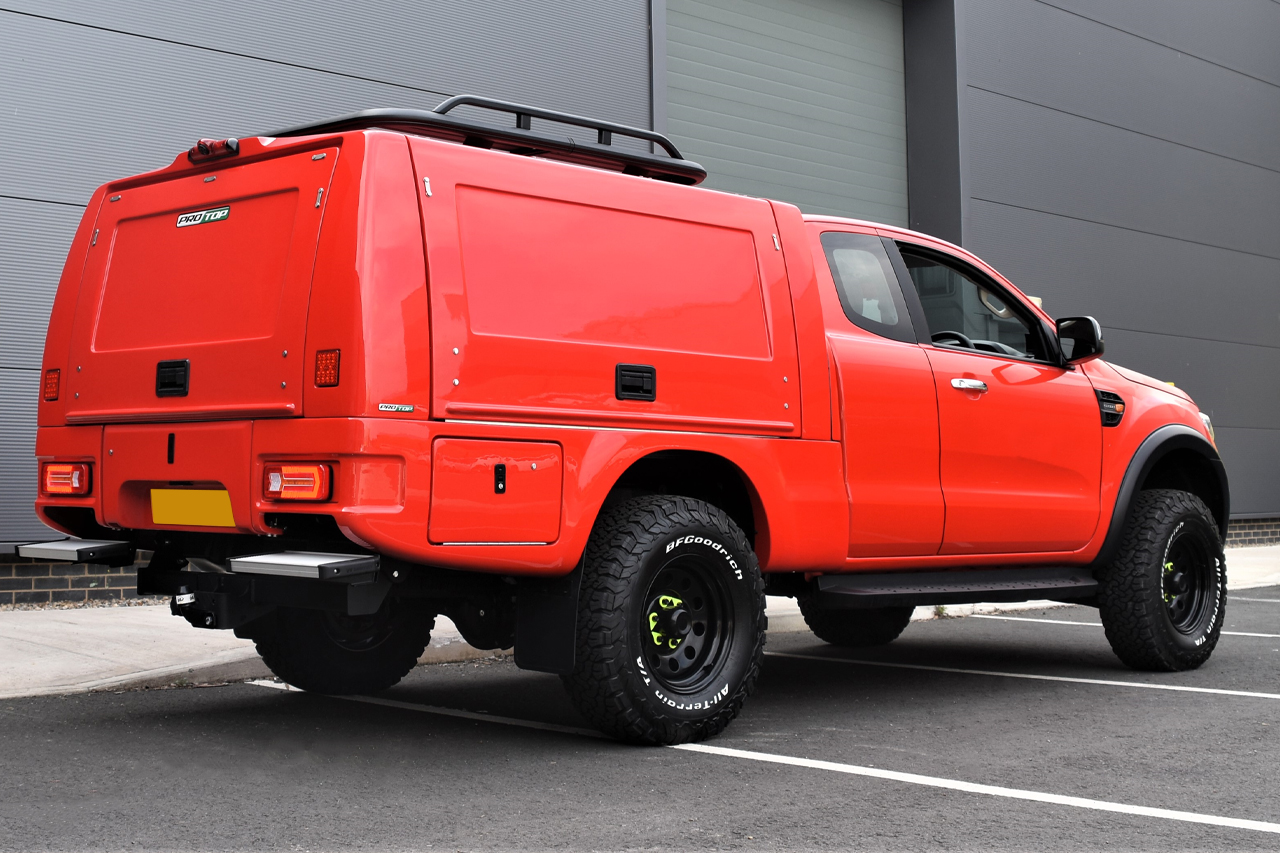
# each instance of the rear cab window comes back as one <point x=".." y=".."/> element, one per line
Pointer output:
<point x="867" y="285"/>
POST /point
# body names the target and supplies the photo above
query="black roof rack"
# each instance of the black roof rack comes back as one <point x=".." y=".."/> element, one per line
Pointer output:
<point x="521" y="139"/>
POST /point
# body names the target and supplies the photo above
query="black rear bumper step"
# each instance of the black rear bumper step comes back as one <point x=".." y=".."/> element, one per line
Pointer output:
<point x="898" y="589"/>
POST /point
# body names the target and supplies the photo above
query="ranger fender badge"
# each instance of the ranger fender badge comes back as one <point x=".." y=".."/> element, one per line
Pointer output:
<point x="200" y="217"/>
<point x="394" y="407"/>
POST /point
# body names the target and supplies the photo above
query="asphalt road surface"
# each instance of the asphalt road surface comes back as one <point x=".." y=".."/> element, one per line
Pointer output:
<point x="930" y="743"/>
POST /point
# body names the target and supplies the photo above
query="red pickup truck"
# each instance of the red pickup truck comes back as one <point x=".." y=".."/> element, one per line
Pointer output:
<point x="344" y="378"/>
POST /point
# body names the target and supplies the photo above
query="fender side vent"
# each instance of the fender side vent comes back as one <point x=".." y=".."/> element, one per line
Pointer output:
<point x="1112" y="406"/>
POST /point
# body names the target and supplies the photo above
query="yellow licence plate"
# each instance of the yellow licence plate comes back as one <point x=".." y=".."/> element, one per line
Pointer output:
<point x="192" y="507"/>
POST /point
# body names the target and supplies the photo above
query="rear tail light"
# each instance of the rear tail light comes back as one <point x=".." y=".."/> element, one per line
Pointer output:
<point x="327" y="367"/>
<point x="296" y="482"/>
<point x="52" y="384"/>
<point x="65" y="478"/>
<point x="208" y="149"/>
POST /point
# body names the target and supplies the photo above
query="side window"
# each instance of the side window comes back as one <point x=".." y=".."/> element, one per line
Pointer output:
<point x="965" y="313"/>
<point x="866" y="284"/>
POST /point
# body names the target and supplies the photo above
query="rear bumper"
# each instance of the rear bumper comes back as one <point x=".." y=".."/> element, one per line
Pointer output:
<point x="381" y="470"/>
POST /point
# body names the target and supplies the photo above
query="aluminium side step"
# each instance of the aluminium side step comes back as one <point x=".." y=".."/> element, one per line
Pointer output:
<point x="103" y="551"/>
<point x="307" y="564"/>
<point x="898" y="589"/>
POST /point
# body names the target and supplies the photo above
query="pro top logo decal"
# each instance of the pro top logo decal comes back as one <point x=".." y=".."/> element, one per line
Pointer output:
<point x="200" y="217"/>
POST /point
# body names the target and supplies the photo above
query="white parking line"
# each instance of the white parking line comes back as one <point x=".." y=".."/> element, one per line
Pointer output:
<point x="1104" y="682"/>
<point x="989" y="790"/>
<point x="835" y="767"/>
<point x="1098" y="625"/>
<point x="1261" y="600"/>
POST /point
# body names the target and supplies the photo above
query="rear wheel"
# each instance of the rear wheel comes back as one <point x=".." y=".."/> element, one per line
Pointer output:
<point x="1163" y="598"/>
<point x="855" y="628"/>
<point x="671" y="623"/>
<point x="332" y="653"/>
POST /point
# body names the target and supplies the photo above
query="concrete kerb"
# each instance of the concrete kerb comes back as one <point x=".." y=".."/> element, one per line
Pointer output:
<point x="59" y="652"/>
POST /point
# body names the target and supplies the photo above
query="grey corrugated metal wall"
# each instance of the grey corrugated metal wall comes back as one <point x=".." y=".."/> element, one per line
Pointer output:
<point x="1123" y="160"/>
<point x="94" y="91"/>
<point x="796" y="100"/>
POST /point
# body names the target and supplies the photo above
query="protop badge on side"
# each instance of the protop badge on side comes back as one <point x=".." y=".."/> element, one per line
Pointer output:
<point x="200" y="217"/>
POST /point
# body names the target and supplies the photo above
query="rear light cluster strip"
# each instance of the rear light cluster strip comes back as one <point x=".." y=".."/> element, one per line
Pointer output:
<point x="296" y="482"/>
<point x="65" y="478"/>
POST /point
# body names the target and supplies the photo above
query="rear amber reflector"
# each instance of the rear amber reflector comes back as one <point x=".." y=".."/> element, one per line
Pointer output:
<point x="327" y="367"/>
<point x="305" y="482"/>
<point x="52" y="382"/>
<point x="62" y="478"/>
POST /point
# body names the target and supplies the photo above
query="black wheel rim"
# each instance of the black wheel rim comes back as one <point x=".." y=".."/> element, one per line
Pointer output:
<point x="687" y="625"/>
<point x="1187" y="581"/>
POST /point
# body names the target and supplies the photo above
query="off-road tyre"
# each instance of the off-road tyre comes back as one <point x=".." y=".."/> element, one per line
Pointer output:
<point x="681" y="554"/>
<point x="1163" y="598"/>
<point x="340" y="655"/>
<point x="854" y="628"/>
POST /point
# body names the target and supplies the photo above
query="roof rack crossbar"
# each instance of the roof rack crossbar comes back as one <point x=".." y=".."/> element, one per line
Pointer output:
<point x="604" y="129"/>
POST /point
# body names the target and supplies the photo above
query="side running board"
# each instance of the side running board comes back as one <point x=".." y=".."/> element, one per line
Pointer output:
<point x="897" y="589"/>
<point x="103" y="551"/>
<point x="307" y="564"/>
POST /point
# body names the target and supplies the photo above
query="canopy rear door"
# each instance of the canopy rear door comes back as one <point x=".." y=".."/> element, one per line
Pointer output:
<point x="194" y="298"/>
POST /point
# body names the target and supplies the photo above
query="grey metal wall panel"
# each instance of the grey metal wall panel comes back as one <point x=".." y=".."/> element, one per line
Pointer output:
<point x="1034" y="157"/>
<point x="32" y="251"/>
<point x="18" y="389"/>
<point x="1165" y="93"/>
<point x="83" y="105"/>
<point x="1252" y="457"/>
<point x="1240" y="35"/>
<point x="797" y="100"/>
<point x="589" y="58"/>
<point x="90" y="92"/>
<point x="1131" y="280"/>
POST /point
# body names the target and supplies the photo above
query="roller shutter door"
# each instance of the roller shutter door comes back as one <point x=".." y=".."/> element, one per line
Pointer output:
<point x="796" y="100"/>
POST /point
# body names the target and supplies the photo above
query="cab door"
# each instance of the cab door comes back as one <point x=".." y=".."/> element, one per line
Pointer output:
<point x="887" y="407"/>
<point x="1021" y="436"/>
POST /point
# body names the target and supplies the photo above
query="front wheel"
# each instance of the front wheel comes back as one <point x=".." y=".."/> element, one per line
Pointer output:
<point x="1163" y="598"/>
<point x="671" y="623"/>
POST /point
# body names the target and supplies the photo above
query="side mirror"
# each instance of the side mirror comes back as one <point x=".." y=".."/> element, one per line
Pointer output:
<point x="1080" y="339"/>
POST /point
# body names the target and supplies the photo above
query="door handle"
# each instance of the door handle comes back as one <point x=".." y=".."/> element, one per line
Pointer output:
<point x="969" y="385"/>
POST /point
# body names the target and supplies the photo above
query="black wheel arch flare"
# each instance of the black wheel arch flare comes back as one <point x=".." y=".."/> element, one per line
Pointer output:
<point x="1173" y="456"/>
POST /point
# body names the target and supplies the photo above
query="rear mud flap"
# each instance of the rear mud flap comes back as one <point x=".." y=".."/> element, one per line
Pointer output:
<point x="547" y="623"/>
